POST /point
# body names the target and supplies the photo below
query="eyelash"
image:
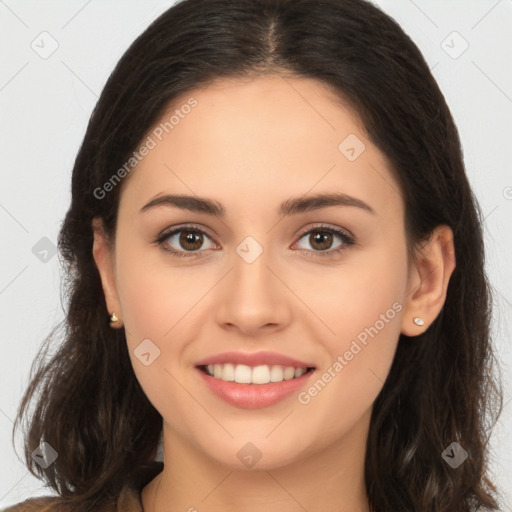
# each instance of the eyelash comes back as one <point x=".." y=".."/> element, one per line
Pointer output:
<point x="347" y="240"/>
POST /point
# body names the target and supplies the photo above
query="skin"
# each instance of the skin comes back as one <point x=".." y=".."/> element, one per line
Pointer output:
<point x="251" y="145"/>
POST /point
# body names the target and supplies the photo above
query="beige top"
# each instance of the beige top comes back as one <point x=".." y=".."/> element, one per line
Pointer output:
<point x="129" y="499"/>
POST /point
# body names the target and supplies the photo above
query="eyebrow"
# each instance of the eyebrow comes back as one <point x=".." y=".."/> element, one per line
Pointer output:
<point x="289" y="207"/>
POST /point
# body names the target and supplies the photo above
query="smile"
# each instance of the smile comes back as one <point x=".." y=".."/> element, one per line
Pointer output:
<point x="254" y="380"/>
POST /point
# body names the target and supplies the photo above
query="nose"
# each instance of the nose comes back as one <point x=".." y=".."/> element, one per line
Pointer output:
<point x="253" y="298"/>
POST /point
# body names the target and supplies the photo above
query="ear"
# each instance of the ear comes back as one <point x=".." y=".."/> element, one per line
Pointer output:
<point x="103" y="254"/>
<point x="428" y="280"/>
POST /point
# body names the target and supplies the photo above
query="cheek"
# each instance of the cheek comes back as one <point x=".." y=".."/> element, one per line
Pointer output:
<point x="154" y="297"/>
<point x="367" y="289"/>
<point x="363" y="307"/>
<point x="156" y="302"/>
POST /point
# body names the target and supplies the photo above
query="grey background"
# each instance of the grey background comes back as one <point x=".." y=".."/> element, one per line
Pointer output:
<point x="46" y="101"/>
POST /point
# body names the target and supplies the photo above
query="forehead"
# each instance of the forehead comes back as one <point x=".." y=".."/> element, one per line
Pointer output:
<point x="263" y="137"/>
<point x="266" y="117"/>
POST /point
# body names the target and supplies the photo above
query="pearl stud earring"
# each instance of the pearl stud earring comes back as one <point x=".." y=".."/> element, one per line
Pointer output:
<point x="418" y="321"/>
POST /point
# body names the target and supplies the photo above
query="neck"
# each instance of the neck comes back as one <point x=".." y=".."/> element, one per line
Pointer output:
<point x="331" y="480"/>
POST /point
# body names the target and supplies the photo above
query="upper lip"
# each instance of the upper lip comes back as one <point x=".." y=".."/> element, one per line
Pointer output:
<point x="254" y="359"/>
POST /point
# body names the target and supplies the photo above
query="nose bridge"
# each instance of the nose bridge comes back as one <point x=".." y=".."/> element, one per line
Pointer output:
<point x="253" y="298"/>
<point x="251" y="273"/>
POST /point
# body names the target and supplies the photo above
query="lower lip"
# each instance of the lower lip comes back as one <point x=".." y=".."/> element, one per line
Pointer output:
<point x="254" y="396"/>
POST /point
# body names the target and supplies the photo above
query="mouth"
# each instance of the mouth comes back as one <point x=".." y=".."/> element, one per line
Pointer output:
<point x="253" y="381"/>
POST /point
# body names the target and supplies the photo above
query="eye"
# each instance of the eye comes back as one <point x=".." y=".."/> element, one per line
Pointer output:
<point x="321" y="239"/>
<point x="183" y="240"/>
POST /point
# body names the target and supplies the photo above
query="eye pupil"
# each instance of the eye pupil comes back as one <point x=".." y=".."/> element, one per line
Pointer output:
<point x="321" y="237"/>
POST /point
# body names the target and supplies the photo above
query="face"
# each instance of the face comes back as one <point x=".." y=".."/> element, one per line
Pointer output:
<point x="269" y="281"/>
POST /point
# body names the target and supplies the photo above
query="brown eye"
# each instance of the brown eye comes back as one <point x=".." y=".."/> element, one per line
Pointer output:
<point x="185" y="240"/>
<point x="321" y="240"/>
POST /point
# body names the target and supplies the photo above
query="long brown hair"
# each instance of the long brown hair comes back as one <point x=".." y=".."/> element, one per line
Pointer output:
<point x="442" y="387"/>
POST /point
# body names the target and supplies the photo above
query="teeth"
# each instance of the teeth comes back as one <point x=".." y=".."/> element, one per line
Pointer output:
<point x="262" y="374"/>
<point x="276" y="374"/>
<point x="242" y="374"/>
<point x="289" y="373"/>
<point x="228" y="372"/>
<point x="217" y="371"/>
<point x="299" y="372"/>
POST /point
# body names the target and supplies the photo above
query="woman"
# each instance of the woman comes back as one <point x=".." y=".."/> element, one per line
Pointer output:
<point x="276" y="268"/>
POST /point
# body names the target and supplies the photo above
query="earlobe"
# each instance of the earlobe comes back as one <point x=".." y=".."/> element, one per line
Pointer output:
<point x="428" y="281"/>
<point x="104" y="258"/>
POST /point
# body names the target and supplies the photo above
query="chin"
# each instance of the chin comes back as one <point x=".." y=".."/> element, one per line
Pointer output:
<point x="257" y="452"/>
